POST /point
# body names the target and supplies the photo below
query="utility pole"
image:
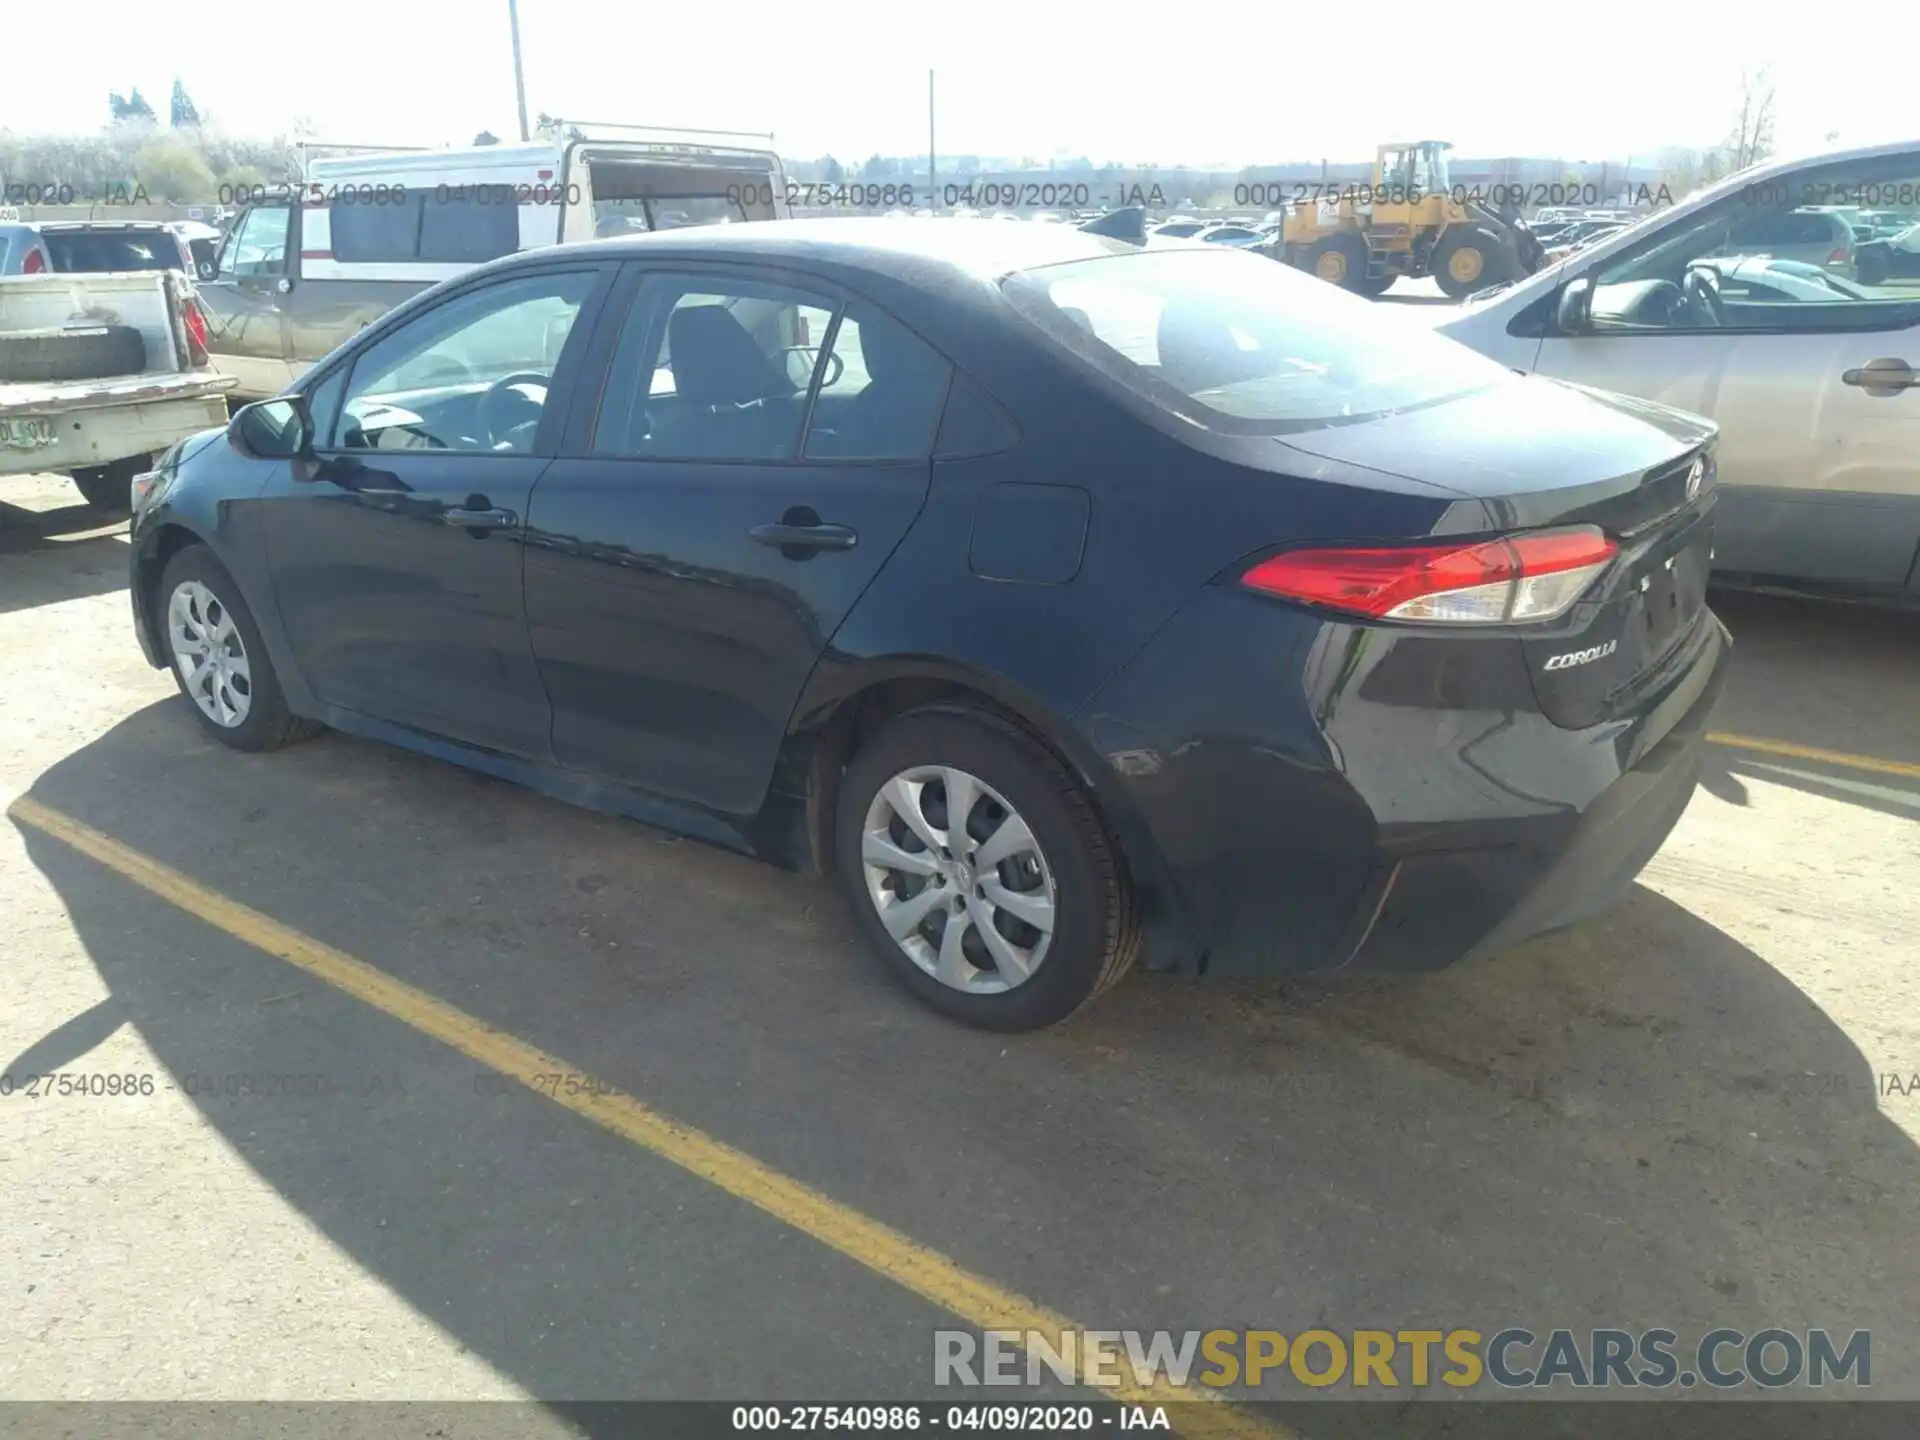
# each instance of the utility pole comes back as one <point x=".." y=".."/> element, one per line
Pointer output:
<point x="519" y="76"/>
<point x="933" y="177"/>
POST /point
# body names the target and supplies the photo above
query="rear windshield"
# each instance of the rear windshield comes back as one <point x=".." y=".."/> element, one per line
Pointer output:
<point x="1240" y="343"/>
<point x="89" y="252"/>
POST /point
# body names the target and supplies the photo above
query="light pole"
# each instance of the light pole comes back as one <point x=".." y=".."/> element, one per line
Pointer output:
<point x="519" y="76"/>
<point x="933" y="177"/>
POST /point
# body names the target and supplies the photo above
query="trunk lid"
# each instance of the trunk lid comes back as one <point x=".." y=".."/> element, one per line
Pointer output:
<point x="1547" y="454"/>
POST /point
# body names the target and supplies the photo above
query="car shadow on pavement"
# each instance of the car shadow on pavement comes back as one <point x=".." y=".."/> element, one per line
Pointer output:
<point x="41" y="566"/>
<point x="1636" y="1123"/>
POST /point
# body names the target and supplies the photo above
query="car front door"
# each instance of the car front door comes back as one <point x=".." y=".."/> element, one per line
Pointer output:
<point x="1819" y="455"/>
<point x="396" y="550"/>
<point x="757" y="450"/>
<point x="245" y="301"/>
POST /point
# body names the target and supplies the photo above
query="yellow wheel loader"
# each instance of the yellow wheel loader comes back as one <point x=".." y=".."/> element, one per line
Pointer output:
<point x="1410" y="221"/>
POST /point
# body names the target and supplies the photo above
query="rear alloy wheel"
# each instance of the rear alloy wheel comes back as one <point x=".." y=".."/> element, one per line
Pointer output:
<point x="219" y="660"/>
<point x="980" y="873"/>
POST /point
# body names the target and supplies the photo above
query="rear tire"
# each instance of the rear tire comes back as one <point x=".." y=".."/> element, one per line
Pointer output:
<point x="109" y="488"/>
<point x="219" y="660"/>
<point x="1376" y="286"/>
<point x="1339" y="259"/>
<point x="1068" y="876"/>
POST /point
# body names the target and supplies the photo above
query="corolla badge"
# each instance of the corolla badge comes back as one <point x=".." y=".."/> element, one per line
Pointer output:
<point x="1582" y="657"/>
<point x="1694" y="477"/>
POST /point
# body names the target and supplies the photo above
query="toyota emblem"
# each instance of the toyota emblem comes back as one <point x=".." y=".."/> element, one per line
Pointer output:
<point x="1694" y="477"/>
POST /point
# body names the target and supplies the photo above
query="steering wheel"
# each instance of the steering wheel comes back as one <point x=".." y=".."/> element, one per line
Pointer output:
<point x="1703" y="295"/>
<point x="508" y="414"/>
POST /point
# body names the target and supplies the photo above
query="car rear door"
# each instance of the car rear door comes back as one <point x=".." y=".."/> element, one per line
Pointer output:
<point x="756" y="451"/>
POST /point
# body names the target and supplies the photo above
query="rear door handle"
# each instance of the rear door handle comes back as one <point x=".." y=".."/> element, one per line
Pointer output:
<point x="806" y="537"/>
<point x="479" y="519"/>
<point x="1882" y="375"/>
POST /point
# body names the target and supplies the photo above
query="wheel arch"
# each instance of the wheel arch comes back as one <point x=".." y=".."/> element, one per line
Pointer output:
<point x="157" y="547"/>
<point x="845" y="703"/>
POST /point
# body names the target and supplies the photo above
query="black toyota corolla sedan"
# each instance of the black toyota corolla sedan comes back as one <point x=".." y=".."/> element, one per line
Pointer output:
<point x="1065" y="601"/>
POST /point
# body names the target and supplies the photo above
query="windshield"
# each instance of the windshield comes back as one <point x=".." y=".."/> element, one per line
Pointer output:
<point x="1236" y="343"/>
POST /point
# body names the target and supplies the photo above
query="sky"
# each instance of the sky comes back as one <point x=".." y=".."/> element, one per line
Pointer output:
<point x="1197" y="82"/>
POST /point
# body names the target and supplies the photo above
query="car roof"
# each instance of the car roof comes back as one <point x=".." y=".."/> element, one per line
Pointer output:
<point x="62" y="225"/>
<point x="902" y="247"/>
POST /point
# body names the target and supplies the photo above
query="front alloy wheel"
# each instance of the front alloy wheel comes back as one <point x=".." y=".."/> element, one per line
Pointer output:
<point x="218" y="658"/>
<point x="958" y="879"/>
<point x="209" y="654"/>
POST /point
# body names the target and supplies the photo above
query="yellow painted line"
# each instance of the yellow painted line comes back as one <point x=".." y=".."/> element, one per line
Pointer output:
<point x="1814" y="752"/>
<point x="885" y="1251"/>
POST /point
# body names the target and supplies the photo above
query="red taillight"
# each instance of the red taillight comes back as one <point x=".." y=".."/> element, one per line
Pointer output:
<point x="1839" y="256"/>
<point x="196" y="323"/>
<point x="1520" y="578"/>
<point x="36" y="263"/>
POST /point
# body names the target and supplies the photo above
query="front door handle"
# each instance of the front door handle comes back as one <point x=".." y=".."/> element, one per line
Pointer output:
<point x="479" y="519"/>
<point x="1882" y="375"/>
<point x="806" y="537"/>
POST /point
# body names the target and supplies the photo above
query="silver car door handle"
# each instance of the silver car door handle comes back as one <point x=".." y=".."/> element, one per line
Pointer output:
<point x="1882" y="375"/>
<point x="479" y="519"/>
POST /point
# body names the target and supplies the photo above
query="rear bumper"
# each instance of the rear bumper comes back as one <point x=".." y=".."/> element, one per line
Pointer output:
<point x="1368" y="798"/>
<point x="99" y="434"/>
<point x="1432" y="909"/>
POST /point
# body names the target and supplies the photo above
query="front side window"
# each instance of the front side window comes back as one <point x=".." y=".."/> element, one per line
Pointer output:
<point x="712" y="369"/>
<point x="1775" y="255"/>
<point x="259" y="244"/>
<point x="1234" y="342"/>
<point x="471" y="374"/>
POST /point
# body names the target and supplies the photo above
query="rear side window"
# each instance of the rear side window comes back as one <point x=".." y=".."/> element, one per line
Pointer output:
<point x="368" y="232"/>
<point x="436" y="226"/>
<point x="712" y="369"/>
<point x="96" y="251"/>
<point x="881" y="393"/>
<point x="1236" y="343"/>
<point x="468" y="229"/>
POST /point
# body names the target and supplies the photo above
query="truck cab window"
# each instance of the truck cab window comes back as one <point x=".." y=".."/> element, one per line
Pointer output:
<point x="258" y="245"/>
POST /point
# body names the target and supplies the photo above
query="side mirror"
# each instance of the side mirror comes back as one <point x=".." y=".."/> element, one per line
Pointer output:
<point x="205" y="270"/>
<point x="1574" y="309"/>
<point x="278" y="429"/>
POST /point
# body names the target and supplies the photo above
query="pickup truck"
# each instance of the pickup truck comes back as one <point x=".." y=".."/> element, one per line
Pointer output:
<point x="99" y="373"/>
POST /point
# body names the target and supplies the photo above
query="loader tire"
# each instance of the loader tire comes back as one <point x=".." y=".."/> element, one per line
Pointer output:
<point x="1469" y="258"/>
<point x="1339" y="259"/>
<point x="90" y="353"/>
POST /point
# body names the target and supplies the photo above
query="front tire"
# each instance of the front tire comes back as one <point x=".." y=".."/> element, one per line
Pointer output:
<point x="980" y="873"/>
<point x="1468" y="258"/>
<point x="219" y="660"/>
